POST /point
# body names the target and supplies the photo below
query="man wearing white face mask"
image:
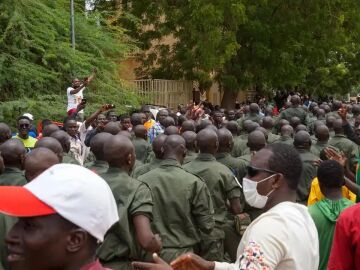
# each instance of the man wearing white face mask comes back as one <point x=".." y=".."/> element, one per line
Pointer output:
<point x="282" y="238"/>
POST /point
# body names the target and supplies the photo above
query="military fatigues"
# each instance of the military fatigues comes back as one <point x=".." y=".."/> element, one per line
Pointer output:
<point x="133" y="197"/>
<point x="140" y="170"/>
<point x="285" y="139"/>
<point x="236" y="165"/>
<point x="97" y="166"/>
<point x="349" y="148"/>
<point x="253" y="117"/>
<point x="308" y="173"/>
<point x="182" y="210"/>
<point x="240" y="145"/>
<point x="311" y="126"/>
<point x="223" y="186"/>
<point x="272" y="137"/>
<point x="69" y="158"/>
<point x="190" y="156"/>
<point x="142" y="149"/>
<point x="12" y="177"/>
<point x="294" y="111"/>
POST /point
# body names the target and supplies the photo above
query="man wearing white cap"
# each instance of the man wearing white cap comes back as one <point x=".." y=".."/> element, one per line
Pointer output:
<point x="63" y="214"/>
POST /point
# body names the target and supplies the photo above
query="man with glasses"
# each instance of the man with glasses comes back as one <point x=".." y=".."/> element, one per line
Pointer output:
<point x="285" y="236"/>
<point x="24" y="126"/>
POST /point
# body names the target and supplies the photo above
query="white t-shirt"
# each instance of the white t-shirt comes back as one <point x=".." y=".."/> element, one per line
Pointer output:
<point x="283" y="238"/>
<point x="75" y="99"/>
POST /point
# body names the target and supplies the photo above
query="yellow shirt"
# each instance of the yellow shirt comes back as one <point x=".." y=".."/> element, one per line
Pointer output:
<point x="148" y="124"/>
<point x="316" y="194"/>
<point x="29" y="143"/>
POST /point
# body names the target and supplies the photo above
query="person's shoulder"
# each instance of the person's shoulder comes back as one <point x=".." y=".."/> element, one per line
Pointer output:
<point x="69" y="89"/>
<point x="351" y="213"/>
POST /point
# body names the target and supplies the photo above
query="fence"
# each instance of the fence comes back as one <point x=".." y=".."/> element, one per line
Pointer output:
<point x="164" y="92"/>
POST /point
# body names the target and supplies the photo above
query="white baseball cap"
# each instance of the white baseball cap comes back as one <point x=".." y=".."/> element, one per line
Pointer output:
<point x="29" y="115"/>
<point x="75" y="193"/>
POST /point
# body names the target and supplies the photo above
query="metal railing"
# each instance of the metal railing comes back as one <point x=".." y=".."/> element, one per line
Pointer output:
<point x="167" y="93"/>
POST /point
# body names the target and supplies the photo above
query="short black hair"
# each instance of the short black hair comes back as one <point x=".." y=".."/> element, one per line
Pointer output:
<point x="330" y="174"/>
<point x="123" y="117"/>
<point x="285" y="160"/>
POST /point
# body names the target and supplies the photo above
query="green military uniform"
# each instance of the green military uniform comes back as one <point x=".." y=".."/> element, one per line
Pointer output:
<point x="331" y="133"/>
<point x="190" y="156"/>
<point x="285" y="139"/>
<point x="334" y="114"/>
<point x="294" y="111"/>
<point x="308" y="173"/>
<point x="140" y="170"/>
<point x="236" y="165"/>
<point x="311" y="126"/>
<point x="240" y="145"/>
<point x="69" y="158"/>
<point x="182" y="208"/>
<point x="12" y="176"/>
<point x="6" y="223"/>
<point x="142" y="149"/>
<point x="90" y="157"/>
<point x="272" y="137"/>
<point x="223" y="186"/>
<point x="251" y="116"/>
<point x="349" y="148"/>
<point x="133" y="197"/>
<point x="97" y="166"/>
<point x="317" y="147"/>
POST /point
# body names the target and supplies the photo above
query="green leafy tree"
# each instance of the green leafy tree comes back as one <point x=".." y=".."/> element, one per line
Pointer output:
<point x="37" y="61"/>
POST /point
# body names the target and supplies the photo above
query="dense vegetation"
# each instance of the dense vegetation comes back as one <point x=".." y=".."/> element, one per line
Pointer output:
<point x="37" y="62"/>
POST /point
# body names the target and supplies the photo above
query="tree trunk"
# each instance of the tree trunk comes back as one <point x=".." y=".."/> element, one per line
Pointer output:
<point x="229" y="99"/>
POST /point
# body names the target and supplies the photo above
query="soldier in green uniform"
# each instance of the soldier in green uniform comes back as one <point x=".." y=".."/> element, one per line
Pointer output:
<point x="302" y="143"/>
<point x="142" y="147"/>
<point x="158" y="156"/>
<point x="97" y="145"/>
<point x="341" y="142"/>
<point x="336" y="105"/>
<point x="37" y="161"/>
<point x="51" y="144"/>
<point x="64" y="139"/>
<point x="295" y="110"/>
<point x="320" y="119"/>
<point x="268" y="124"/>
<point x="183" y="210"/>
<point x="254" y="115"/>
<point x="223" y="155"/>
<point x="239" y="143"/>
<point x="191" y="153"/>
<point x="223" y="187"/>
<point x="330" y="124"/>
<point x="13" y="153"/>
<point x="322" y="135"/>
<point x="286" y="135"/>
<point x="132" y="235"/>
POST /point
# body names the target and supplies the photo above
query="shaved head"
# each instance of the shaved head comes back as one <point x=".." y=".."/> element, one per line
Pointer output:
<point x="322" y="133"/>
<point x="203" y="124"/>
<point x="207" y="141"/>
<point x="188" y="125"/>
<point x="190" y="138"/>
<point x="338" y="128"/>
<point x="254" y="108"/>
<point x="302" y="140"/>
<point x="125" y="133"/>
<point x="63" y="138"/>
<point x="226" y="141"/>
<point x="267" y="122"/>
<point x="287" y="130"/>
<point x="13" y="153"/>
<point x="295" y="121"/>
<point x="171" y="130"/>
<point x="330" y="121"/>
<point x="51" y="144"/>
<point x="300" y="127"/>
<point x="140" y="132"/>
<point x="39" y="160"/>
<point x="5" y="132"/>
<point x="251" y="127"/>
<point x="48" y="129"/>
<point x="295" y="100"/>
<point x="158" y="144"/>
<point x="97" y="144"/>
<point x="233" y="127"/>
<point x="112" y="128"/>
<point x="256" y="140"/>
<point x="175" y="147"/>
<point x="119" y="152"/>
<point x="168" y="121"/>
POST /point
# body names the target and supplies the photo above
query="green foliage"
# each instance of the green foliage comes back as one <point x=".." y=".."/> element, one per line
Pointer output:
<point x="37" y="61"/>
<point x="311" y="46"/>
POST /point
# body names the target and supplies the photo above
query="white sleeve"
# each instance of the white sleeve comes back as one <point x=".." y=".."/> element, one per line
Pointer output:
<point x="68" y="90"/>
<point x="224" y="266"/>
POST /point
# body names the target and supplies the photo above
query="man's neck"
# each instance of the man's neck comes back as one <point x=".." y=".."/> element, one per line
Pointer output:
<point x="288" y="196"/>
<point x="24" y="136"/>
<point x="333" y="195"/>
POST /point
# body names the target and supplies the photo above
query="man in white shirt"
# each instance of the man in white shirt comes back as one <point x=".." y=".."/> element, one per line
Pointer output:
<point x="284" y="237"/>
<point x="75" y="93"/>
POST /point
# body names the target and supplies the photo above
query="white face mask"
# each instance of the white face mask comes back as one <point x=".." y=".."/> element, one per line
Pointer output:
<point x="252" y="196"/>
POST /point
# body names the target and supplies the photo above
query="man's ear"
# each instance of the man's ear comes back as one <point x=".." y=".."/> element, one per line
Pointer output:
<point x="278" y="181"/>
<point x="76" y="239"/>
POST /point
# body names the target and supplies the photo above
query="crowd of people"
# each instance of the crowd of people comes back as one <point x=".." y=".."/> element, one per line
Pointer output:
<point x="199" y="187"/>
